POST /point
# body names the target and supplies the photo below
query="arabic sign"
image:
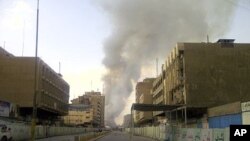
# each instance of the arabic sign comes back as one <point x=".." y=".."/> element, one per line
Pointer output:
<point x="4" y="109"/>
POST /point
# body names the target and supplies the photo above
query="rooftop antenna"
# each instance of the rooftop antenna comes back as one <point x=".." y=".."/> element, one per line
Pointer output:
<point x="23" y="36"/>
<point x="4" y="45"/>
<point x="91" y="85"/>
<point x="156" y="67"/>
<point x="59" y="73"/>
<point x="103" y="88"/>
<point x="60" y="67"/>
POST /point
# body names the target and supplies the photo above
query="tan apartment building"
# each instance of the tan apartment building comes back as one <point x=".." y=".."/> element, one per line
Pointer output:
<point x="159" y="96"/>
<point x="17" y="78"/>
<point x="79" y="115"/>
<point x="126" y="121"/>
<point x="144" y="96"/>
<point x="204" y="75"/>
<point x="97" y="101"/>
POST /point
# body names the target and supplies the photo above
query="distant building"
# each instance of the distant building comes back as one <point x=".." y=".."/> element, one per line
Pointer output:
<point x="79" y="115"/>
<point x="17" y="86"/>
<point x="97" y="102"/>
<point x="159" y="95"/>
<point x="144" y="96"/>
<point x="203" y="75"/>
<point x="127" y="121"/>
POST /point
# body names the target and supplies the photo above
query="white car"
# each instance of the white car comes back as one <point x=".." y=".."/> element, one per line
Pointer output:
<point x="5" y="133"/>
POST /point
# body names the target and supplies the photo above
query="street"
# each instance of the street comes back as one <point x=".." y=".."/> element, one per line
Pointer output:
<point x="113" y="136"/>
<point x="122" y="136"/>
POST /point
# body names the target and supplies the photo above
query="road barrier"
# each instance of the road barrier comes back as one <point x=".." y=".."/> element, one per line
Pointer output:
<point x="21" y="131"/>
<point x="168" y="133"/>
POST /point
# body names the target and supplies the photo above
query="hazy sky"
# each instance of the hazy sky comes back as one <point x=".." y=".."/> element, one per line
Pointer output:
<point x="73" y="32"/>
<point x="70" y="32"/>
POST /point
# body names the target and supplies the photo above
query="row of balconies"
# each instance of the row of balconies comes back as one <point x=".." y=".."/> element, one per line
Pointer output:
<point x="50" y="102"/>
<point x="52" y="86"/>
<point x="47" y="72"/>
<point x="174" y="73"/>
<point x="158" y="100"/>
<point x="158" y="90"/>
<point x="158" y="81"/>
<point x="177" y="52"/>
<point x="53" y="95"/>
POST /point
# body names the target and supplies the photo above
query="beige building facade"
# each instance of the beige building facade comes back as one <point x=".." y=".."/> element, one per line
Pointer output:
<point x="127" y="121"/>
<point x="203" y="75"/>
<point x="158" y="93"/>
<point x="17" y="78"/>
<point x="144" y="96"/>
<point x="97" y="102"/>
<point x="79" y="115"/>
<point x="208" y="74"/>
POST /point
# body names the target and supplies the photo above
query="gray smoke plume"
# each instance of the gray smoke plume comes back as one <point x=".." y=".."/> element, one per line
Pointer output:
<point x="146" y="29"/>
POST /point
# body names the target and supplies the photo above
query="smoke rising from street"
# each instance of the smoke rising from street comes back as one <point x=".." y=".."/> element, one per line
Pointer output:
<point x="143" y="30"/>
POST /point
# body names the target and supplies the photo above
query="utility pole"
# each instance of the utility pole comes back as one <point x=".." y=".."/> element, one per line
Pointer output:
<point x="23" y="36"/>
<point x="34" y="113"/>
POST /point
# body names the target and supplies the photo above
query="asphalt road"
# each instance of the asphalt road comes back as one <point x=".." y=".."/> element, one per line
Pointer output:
<point x="121" y="136"/>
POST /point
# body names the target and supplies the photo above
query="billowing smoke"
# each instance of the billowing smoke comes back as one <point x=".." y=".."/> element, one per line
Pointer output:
<point x="144" y="30"/>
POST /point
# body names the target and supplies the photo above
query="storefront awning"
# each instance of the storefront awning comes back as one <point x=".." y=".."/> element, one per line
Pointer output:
<point x="153" y="107"/>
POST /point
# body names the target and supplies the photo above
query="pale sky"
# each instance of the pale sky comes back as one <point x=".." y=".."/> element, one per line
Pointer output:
<point x="73" y="32"/>
<point x="70" y="32"/>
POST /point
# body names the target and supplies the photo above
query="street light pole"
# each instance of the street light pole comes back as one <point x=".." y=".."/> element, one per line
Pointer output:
<point x="34" y="113"/>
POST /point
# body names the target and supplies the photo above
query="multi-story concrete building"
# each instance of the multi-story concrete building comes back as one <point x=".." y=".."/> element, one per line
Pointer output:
<point x="17" y="78"/>
<point x="144" y="96"/>
<point x="97" y="101"/>
<point x="208" y="74"/>
<point x="204" y="75"/>
<point x="79" y="115"/>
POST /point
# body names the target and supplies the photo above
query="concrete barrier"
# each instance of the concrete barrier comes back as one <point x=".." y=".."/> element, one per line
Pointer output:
<point x="21" y="131"/>
<point x="168" y="133"/>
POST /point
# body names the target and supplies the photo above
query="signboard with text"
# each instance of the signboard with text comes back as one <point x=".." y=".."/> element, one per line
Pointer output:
<point x="245" y="106"/>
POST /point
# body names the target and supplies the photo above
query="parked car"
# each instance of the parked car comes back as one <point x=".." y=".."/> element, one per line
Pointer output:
<point x="5" y="133"/>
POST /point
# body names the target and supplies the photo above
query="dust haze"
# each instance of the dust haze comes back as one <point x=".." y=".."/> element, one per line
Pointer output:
<point x="143" y="30"/>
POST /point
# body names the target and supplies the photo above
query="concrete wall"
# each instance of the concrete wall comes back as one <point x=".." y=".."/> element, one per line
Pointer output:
<point x="232" y="108"/>
<point x="215" y="74"/>
<point x="17" y="80"/>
